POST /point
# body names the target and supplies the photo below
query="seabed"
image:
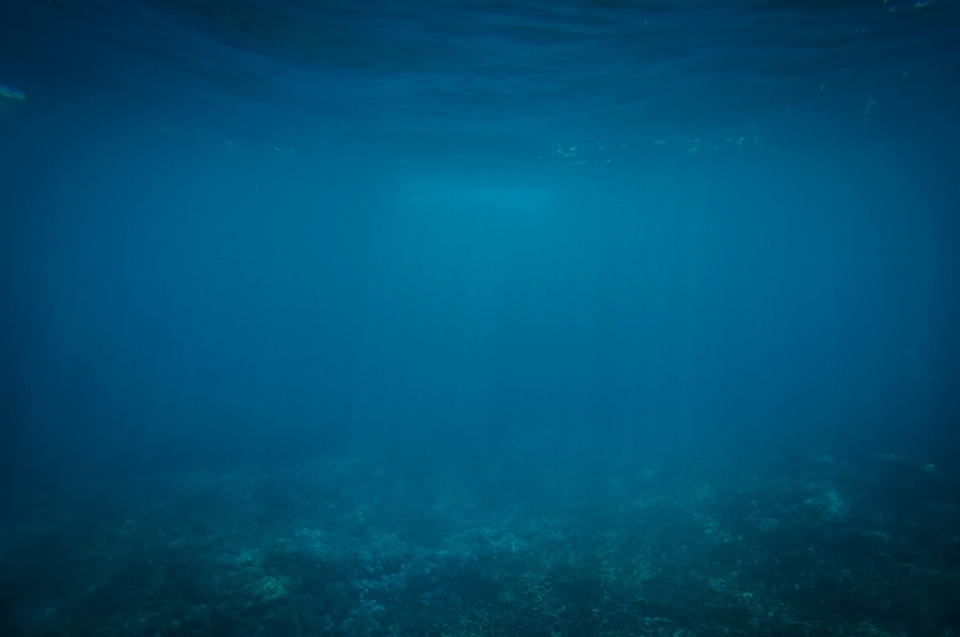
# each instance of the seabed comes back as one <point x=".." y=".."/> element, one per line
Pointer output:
<point x="816" y="546"/>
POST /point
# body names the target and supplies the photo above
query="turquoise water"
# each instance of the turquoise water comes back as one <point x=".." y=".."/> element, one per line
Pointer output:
<point x="563" y="318"/>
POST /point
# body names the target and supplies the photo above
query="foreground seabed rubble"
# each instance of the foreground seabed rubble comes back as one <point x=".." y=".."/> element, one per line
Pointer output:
<point x="815" y="546"/>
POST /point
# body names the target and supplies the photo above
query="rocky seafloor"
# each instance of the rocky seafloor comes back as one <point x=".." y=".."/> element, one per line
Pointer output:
<point x="816" y="546"/>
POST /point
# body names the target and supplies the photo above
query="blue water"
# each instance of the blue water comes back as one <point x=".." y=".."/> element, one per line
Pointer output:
<point x="680" y="275"/>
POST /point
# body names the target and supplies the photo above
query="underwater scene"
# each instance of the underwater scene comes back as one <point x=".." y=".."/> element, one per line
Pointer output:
<point x="479" y="318"/>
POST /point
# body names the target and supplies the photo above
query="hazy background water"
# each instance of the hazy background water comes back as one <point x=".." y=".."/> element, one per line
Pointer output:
<point x="501" y="234"/>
